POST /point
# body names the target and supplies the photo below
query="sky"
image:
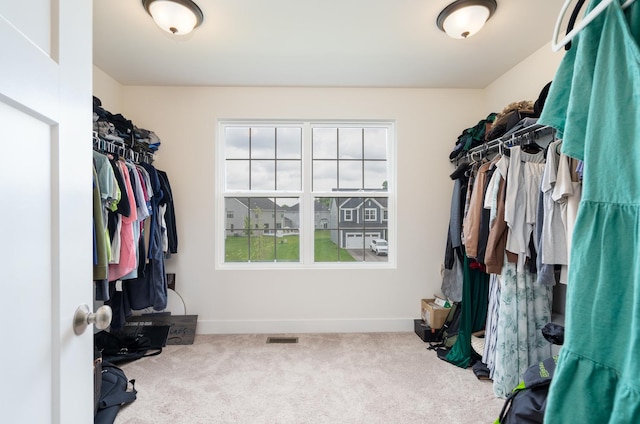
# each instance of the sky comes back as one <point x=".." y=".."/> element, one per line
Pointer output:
<point x="258" y="158"/>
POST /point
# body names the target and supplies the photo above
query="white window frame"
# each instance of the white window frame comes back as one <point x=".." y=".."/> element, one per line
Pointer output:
<point x="348" y="212"/>
<point x="375" y="214"/>
<point x="306" y="195"/>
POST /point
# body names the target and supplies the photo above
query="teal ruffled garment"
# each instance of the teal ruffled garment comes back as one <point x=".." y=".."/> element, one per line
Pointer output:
<point x="594" y="102"/>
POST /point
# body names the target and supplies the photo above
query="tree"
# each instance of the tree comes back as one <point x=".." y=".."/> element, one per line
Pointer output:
<point x="325" y="201"/>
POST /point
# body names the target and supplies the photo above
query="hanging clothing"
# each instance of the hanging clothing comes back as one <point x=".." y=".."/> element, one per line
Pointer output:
<point x="109" y="189"/>
<point x="473" y="218"/>
<point x="491" y="326"/>
<point x="554" y="241"/>
<point x="567" y="192"/>
<point x="473" y="314"/>
<point x="115" y="215"/>
<point x="171" y="234"/>
<point x="452" y="276"/>
<point x="100" y="262"/>
<point x="594" y="102"/>
<point x="500" y="232"/>
<point x="496" y="245"/>
<point x="127" y="260"/>
<point x="524" y="308"/>
<point x="139" y="231"/>
<point x="150" y="288"/>
<point x="489" y="192"/>
<point x="521" y="200"/>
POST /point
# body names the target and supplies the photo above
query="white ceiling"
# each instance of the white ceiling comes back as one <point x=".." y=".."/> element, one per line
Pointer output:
<point x="319" y="43"/>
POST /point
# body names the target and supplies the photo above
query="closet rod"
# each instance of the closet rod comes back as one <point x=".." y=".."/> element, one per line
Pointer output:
<point x="114" y="147"/>
<point x="506" y="139"/>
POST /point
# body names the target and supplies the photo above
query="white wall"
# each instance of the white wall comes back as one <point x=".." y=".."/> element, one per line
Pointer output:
<point x="108" y="90"/>
<point x="428" y="122"/>
<point x="524" y="81"/>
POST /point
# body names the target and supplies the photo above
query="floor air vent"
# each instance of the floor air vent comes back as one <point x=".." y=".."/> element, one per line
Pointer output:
<point x="282" y="340"/>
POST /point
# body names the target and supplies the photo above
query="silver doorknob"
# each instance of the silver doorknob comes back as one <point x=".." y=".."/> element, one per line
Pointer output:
<point x="83" y="317"/>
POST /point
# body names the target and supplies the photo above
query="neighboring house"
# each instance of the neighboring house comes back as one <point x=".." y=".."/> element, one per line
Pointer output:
<point x="264" y="216"/>
<point x="292" y="215"/>
<point x="355" y="221"/>
<point x="321" y="215"/>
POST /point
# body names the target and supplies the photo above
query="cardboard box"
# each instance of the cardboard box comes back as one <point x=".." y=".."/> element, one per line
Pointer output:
<point x="433" y="314"/>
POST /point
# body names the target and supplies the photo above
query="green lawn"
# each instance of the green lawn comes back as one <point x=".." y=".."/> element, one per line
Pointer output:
<point x="282" y="249"/>
<point x="327" y="251"/>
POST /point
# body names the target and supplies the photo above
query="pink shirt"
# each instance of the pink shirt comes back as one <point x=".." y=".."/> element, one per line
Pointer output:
<point x="128" y="255"/>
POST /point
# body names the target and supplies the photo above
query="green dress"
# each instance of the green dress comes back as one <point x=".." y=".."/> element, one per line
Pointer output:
<point x="594" y="102"/>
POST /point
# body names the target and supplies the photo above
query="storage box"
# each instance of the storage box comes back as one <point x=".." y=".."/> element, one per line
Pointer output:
<point x="426" y="333"/>
<point x="182" y="329"/>
<point x="434" y="315"/>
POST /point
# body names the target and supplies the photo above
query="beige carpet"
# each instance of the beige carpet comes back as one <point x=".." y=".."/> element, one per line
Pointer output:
<point x="370" y="378"/>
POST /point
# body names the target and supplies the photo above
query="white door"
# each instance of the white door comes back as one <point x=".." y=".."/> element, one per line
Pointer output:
<point x="45" y="211"/>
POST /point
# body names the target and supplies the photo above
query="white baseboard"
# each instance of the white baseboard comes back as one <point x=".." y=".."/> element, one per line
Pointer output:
<point x="304" y="326"/>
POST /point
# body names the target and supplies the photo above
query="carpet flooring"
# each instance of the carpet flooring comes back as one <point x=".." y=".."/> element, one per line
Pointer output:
<point x="351" y="378"/>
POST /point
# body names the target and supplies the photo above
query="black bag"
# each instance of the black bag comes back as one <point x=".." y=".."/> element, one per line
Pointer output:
<point x="448" y="333"/>
<point x="553" y="333"/>
<point x="528" y="401"/>
<point x="97" y="379"/>
<point x="113" y="393"/>
<point x="118" y="349"/>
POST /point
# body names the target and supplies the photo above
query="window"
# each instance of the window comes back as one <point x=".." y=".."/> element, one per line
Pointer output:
<point x="370" y="214"/>
<point x="305" y="193"/>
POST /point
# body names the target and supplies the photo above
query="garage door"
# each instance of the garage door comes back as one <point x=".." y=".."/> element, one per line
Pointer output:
<point x="355" y="240"/>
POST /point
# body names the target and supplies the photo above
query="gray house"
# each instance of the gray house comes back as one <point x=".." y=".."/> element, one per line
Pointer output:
<point x="320" y="216"/>
<point x="355" y="221"/>
<point x="257" y="214"/>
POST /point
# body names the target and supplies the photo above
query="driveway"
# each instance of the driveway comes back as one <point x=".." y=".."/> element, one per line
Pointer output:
<point x="369" y="256"/>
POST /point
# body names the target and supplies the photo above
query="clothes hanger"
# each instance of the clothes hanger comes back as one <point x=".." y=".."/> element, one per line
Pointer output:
<point x="529" y="144"/>
<point x="557" y="45"/>
<point x="572" y="20"/>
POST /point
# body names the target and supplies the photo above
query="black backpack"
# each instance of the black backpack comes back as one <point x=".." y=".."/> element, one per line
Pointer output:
<point x="113" y="393"/>
<point x="120" y="348"/>
<point x="448" y="333"/>
<point x="528" y="401"/>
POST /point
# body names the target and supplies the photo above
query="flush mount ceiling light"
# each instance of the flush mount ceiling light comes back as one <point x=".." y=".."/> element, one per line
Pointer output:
<point x="175" y="16"/>
<point x="463" y="18"/>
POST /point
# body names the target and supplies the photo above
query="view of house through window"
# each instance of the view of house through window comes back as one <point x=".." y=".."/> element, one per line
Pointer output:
<point x="306" y="193"/>
<point x="263" y="229"/>
<point x="351" y="232"/>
